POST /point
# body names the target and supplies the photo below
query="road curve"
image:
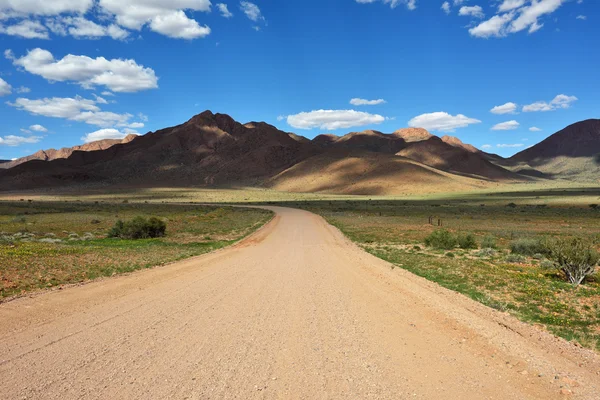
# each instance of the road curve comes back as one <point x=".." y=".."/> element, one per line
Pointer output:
<point x="296" y="311"/>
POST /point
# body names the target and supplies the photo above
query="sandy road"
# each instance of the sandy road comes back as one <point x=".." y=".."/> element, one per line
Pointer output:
<point x="295" y="311"/>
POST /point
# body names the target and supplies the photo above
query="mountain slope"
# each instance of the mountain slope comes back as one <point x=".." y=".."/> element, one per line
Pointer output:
<point x="573" y="152"/>
<point x="66" y="152"/>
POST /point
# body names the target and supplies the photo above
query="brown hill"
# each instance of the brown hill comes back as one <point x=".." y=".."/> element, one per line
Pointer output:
<point x="367" y="173"/>
<point x="66" y="152"/>
<point x="410" y="135"/>
<point x="437" y="153"/>
<point x="207" y="149"/>
<point x="573" y="152"/>
<point x="456" y="142"/>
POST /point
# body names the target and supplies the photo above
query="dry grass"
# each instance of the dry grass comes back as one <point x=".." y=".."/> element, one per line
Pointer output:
<point x="49" y="244"/>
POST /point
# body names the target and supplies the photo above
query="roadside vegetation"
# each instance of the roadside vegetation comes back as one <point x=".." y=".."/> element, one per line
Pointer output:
<point x="536" y="262"/>
<point x="46" y="245"/>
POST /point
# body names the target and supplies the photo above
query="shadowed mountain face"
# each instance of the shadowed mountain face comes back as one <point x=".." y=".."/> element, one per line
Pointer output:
<point x="573" y="153"/>
<point x="214" y="149"/>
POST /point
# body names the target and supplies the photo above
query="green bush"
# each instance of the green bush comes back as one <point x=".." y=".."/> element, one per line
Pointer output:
<point x="441" y="239"/>
<point x="575" y="257"/>
<point x="529" y="246"/>
<point x="489" y="242"/>
<point x="467" y="241"/>
<point x="138" y="228"/>
<point x="486" y="252"/>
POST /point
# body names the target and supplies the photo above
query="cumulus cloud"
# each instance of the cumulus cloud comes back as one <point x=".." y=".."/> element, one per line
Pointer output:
<point x="74" y="109"/>
<point x="506" y="126"/>
<point x="471" y="11"/>
<point x="364" y="102"/>
<point x="12" y="140"/>
<point x="486" y="147"/>
<point x="5" y="88"/>
<point x="44" y="7"/>
<point x="38" y="128"/>
<point x="167" y="17"/>
<point x="178" y="25"/>
<point x="504" y="146"/>
<point x="333" y="119"/>
<point x="103" y="134"/>
<point x="117" y="75"/>
<point x="534" y="129"/>
<point x="561" y="101"/>
<point x="446" y="7"/>
<point x="515" y="16"/>
<point x="442" y="121"/>
<point x="410" y="4"/>
<point x="252" y="11"/>
<point x="224" y="10"/>
<point x="26" y="29"/>
<point x="23" y="89"/>
<point x="508" y="108"/>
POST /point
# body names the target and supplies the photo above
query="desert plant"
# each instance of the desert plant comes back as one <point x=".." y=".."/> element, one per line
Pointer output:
<point x="489" y="242"/>
<point x="529" y="246"/>
<point x="467" y="241"/>
<point x="515" y="258"/>
<point x="441" y="239"/>
<point x="486" y="252"/>
<point x="138" y="228"/>
<point x="575" y="257"/>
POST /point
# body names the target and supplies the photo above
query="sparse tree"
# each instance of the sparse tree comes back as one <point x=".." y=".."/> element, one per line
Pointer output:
<point x="575" y="257"/>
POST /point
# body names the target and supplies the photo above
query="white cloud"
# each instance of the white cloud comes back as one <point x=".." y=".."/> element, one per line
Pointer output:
<point x="528" y="17"/>
<point x="471" y="11"/>
<point x="26" y="29"/>
<point x="441" y="121"/>
<point x="12" y="140"/>
<point x="5" y="88"/>
<point x="134" y="125"/>
<point x="333" y="119"/>
<point x="224" y="10"/>
<point x="508" y="108"/>
<point x="177" y="25"/>
<point x="252" y="11"/>
<point x="107" y="93"/>
<point x="494" y="26"/>
<point x="117" y="74"/>
<point x="506" y="126"/>
<point x="534" y="129"/>
<point x="74" y="109"/>
<point x="103" y="134"/>
<point x="364" y="102"/>
<point x="504" y="146"/>
<point x="581" y="17"/>
<point x="38" y="128"/>
<point x="410" y="4"/>
<point x="23" y="89"/>
<point x="486" y="146"/>
<point x="508" y="5"/>
<point x="561" y="101"/>
<point x="44" y="7"/>
<point x="80" y="27"/>
<point x="446" y="7"/>
<point x="27" y="131"/>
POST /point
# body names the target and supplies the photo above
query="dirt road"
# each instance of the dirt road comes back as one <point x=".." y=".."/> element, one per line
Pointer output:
<point x="294" y="312"/>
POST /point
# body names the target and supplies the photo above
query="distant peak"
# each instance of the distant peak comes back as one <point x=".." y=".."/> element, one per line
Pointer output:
<point x="413" y="134"/>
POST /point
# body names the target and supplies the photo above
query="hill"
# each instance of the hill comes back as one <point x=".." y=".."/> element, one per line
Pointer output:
<point x="572" y="153"/>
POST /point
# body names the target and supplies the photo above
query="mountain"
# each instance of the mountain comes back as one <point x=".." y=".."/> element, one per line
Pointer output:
<point x="572" y="153"/>
<point x="66" y="152"/>
<point x="215" y="150"/>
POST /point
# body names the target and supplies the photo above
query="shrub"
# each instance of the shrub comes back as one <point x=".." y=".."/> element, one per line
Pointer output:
<point x="467" y="241"/>
<point x="529" y="246"/>
<point x="547" y="264"/>
<point x="138" y="228"/>
<point x="511" y="205"/>
<point x="515" y="258"/>
<point x="593" y="206"/>
<point x="450" y="255"/>
<point x="489" y="242"/>
<point x="441" y="239"/>
<point x="486" y="252"/>
<point x="575" y="257"/>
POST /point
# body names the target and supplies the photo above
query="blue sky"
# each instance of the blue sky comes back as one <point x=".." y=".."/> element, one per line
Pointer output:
<point x="77" y="70"/>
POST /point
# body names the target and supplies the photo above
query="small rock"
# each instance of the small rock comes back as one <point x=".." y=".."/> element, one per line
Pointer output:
<point x="566" y="392"/>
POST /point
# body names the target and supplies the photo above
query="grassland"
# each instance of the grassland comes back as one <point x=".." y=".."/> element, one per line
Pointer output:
<point x="49" y="244"/>
<point x="523" y="286"/>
